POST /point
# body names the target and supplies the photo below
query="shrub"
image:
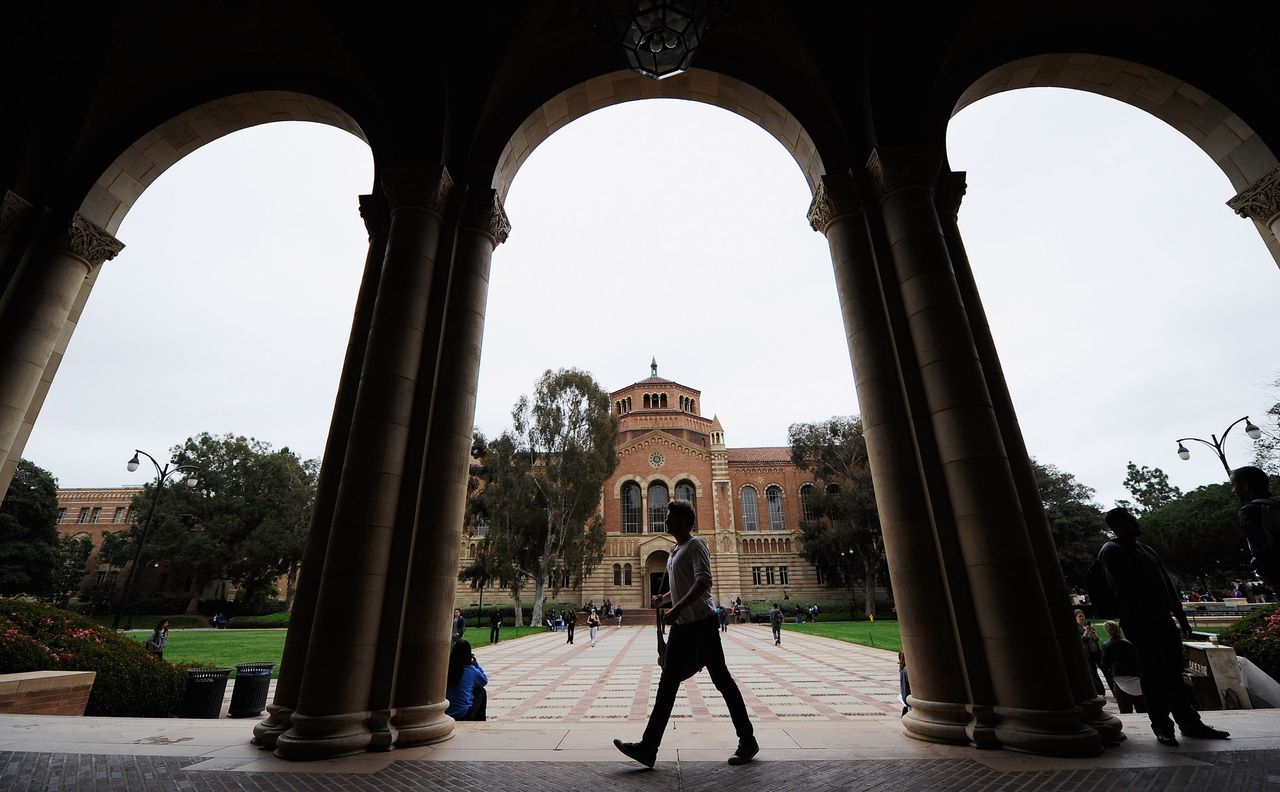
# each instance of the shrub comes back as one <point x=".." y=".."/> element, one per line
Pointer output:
<point x="1257" y="637"/>
<point x="269" y="621"/>
<point x="130" y="680"/>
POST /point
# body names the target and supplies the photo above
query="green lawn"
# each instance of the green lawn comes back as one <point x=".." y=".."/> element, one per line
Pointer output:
<point x="880" y="634"/>
<point x="225" y="648"/>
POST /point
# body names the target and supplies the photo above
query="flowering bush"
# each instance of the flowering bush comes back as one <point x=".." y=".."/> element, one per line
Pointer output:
<point x="1257" y="637"/>
<point x="130" y="681"/>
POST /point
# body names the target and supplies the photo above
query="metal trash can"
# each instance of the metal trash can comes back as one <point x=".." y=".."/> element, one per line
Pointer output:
<point x="249" y="695"/>
<point x="205" y="690"/>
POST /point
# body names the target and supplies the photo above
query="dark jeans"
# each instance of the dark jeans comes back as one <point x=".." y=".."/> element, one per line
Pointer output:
<point x="479" y="705"/>
<point x="569" y="629"/>
<point x="493" y="634"/>
<point x="1161" y="659"/>
<point x="1094" y="659"/>
<point x="703" y="637"/>
<point x="777" y="633"/>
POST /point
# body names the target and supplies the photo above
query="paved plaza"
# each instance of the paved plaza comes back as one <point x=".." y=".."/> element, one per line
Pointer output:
<point x="825" y="715"/>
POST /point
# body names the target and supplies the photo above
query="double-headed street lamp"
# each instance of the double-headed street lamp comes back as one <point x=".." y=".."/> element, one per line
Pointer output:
<point x="1218" y="444"/>
<point x="162" y="476"/>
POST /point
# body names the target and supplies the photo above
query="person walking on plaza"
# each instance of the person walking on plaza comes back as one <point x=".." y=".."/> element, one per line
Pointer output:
<point x="570" y="621"/>
<point x="694" y="640"/>
<point x="495" y="626"/>
<point x="1120" y="661"/>
<point x="459" y="626"/>
<point x="722" y="615"/>
<point x="1148" y="604"/>
<point x="618" y="613"/>
<point x="1092" y="649"/>
<point x="775" y="622"/>
<point x="1259" y="518"/>
<point x="593" y="622"/>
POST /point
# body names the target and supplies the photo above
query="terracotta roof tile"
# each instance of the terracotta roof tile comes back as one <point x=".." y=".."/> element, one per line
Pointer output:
<point x="767" y="454"/>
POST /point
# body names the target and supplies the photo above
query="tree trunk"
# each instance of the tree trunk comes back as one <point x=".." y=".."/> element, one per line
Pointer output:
<point x="539" y="595"/>
<point x="194" y="602"/>
<point x="291" y="587"/>
<point x="869" y="586"/>
<point x="515" y="594"/>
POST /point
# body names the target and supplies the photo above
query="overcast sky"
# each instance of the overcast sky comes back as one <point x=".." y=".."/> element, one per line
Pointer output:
<point x="1130" y="306"/>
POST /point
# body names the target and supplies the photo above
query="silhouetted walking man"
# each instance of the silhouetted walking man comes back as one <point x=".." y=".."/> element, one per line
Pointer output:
<point x="694" y="632"/>
<point x="1148" y="604"/>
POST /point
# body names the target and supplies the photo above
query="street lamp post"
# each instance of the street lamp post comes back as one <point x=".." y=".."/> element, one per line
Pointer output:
<point x="1218" y="445"/>
<point x="162" y="475"/>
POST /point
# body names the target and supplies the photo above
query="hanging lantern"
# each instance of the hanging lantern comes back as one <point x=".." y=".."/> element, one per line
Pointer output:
<point x="658" y="37"/>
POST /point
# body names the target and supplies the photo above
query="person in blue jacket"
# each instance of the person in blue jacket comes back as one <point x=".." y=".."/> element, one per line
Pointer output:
<point x="466" y="681"/>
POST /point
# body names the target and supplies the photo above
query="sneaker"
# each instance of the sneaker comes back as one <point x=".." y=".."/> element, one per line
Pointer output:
<point x="1167" y="738"/>
<point x="1205" y="732"/>
<point x="747" y="750"/>
<point x="638" y="751"/>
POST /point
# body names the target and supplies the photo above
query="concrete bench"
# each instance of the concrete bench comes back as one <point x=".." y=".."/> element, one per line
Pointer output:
<point x="46" y="692"/>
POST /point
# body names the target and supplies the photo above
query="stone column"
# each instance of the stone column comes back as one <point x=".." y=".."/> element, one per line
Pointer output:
<point x="1261" y="202"/>
<point x="41" y="299"/>
<point x="331" y="715"/>
<point x="424" y="651"/>
<point x="950" y="191"/>
<point x="1033" y="692"/>
<point x="928" y="636"/>
<point x="280" y="712"/>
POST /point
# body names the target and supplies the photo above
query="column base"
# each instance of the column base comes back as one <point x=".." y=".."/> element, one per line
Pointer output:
<point x="937" y="721"/>
<point x="324" y="736"/>
<point x="1047" y="732"/>
<point x="268" y="730"/>
<point x="423" y="725"/>
<point x="1108" y="726"/>
<point x="382" y="735"/>
<point x="982" y="726"/>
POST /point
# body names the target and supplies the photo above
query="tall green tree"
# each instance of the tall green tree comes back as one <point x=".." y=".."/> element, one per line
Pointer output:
<point x="246" y="521"/>
<point x="1267" y="449"/>
<point x="1198" y="537"/>
<point x="29" y="532"/>
<point x="566" y="434"/>
<point x="73" y="557"/>
<point x="1150" y="488"/>
<point x="843" y="538"/>
<point x="1075" y="521"/>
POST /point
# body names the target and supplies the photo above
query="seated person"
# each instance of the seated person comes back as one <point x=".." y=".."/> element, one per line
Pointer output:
<point x="465" y="685"/>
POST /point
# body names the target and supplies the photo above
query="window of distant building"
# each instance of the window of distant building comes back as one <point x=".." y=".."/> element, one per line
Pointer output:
<point x="626" y="574"/>
<point x="121" y="511"/>
<point x="757" y="574"/>
<point x="62" y="514"/>
<point x="685" y="491"/>
<point x="658" y="497"/>
<point x="769" y="574"/>
<point x="773" y="498"/>
<point x="750" y="509"/>
<point x="782" y="576"/>
<point x="482" y="527"/>
<point x="631" y="508"/>
<point x="822" y="578"/>
<point x="806" y="492"/>
<point x="84" y="515"/>
<point x="617" y="574"/>
<point x="97" y="512"/>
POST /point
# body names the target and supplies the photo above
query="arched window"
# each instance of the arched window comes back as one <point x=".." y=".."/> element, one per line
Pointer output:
<point x="631" y="507"/>
<point x="626" y="575"/>
<point x="646" y="401"/>
<point x="658" y="497"/>
<point x="685" y="491"/>
<point x="663" y="399"/>
<point x="750" y="509"/>
<point x="773" y="497"/>
<point x="617" y="574"/>
<point x="805" y="493"/>
<point x="693" y="406"/>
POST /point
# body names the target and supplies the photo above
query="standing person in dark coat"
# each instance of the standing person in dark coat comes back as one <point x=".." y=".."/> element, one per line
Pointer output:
<point x="459" y="626"/>
<point x="1259" y="518"/>
<point x="775" y="623"/>
<point x="1092" y="649"/>
<point x="1148" y="605"/>
<point x="570" y="621"/>
<point x="495" y="626"/>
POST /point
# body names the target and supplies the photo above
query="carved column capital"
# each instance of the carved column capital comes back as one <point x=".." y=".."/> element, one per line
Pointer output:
<point x="484" y="213"/>
<point x="420" y="187"/>
<point x="86" y="240"/>
<point x="1261" y="201"/>
<point x="893" y="169"/>
<point x="376" y="214"/>
<point x="949" y="193"/>
<point x="835" y="197"/>
<point x="15" y="211"/>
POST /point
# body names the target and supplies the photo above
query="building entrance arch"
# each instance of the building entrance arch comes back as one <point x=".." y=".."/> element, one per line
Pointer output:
<point x="655" y="566"/>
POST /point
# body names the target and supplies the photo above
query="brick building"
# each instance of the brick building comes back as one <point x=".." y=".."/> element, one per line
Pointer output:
<point x="749" y="502"/>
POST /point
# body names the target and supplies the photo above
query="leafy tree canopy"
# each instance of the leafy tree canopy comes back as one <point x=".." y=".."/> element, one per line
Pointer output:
<point x="1199" y="539"/>
<point x="1150" y="488"/>
<point x="29" y="532"/>
<point x="1074" y="520"/>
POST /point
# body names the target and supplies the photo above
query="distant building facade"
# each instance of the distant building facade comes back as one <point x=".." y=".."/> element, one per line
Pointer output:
<point x="749" y="501"/>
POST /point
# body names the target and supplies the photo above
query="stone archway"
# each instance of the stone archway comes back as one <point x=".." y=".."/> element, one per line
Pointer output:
<point x="655" y="566"/>
<point x="1244" y="157"/>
